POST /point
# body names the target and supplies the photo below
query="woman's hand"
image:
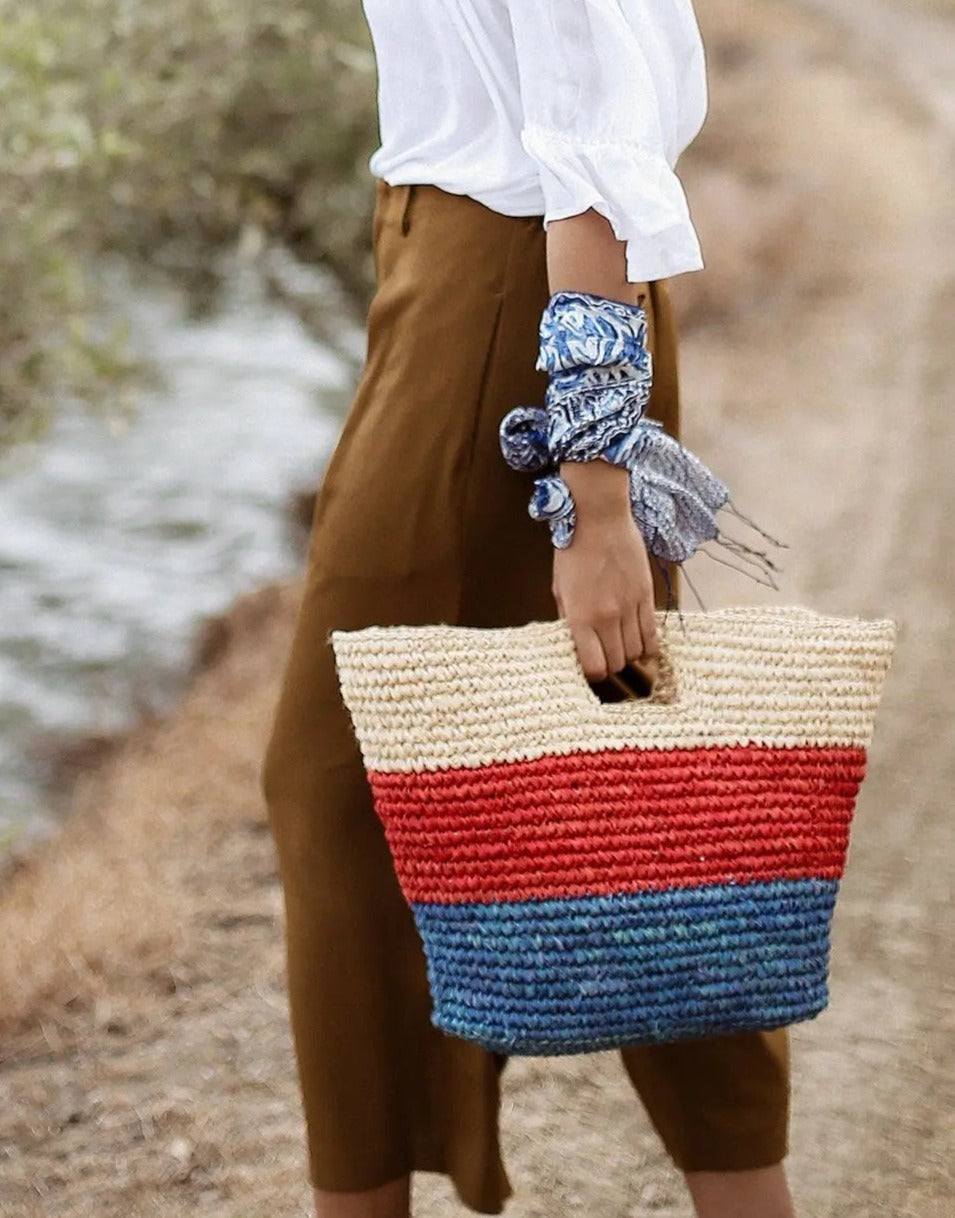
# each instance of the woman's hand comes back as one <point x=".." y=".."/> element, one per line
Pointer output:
<point x="602" y="581"/>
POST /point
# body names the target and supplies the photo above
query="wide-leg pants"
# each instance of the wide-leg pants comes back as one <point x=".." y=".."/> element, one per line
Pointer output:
<point x="418" y="520"/>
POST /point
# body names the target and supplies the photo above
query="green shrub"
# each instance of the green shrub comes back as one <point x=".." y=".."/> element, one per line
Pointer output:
<point x="165" y="132"/>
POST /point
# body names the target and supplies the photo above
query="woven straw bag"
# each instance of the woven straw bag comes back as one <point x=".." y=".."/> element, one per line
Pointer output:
<point x="588" y="874"/>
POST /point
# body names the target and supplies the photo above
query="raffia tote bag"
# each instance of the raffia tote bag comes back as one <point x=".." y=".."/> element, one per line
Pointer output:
<point x="588" y="874"/>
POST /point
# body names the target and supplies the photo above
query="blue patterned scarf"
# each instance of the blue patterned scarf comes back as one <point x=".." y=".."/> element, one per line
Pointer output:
<point x="601" y="371"/>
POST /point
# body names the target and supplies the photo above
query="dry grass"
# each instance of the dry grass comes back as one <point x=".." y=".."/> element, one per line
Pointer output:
<point x="100" y="912"/>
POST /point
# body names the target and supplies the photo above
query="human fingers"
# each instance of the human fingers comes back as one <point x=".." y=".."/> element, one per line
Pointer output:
<point x="648" y="628"/>
<point x="610" y="632"/>
<point x="590" y="651"/>
<point x="632" y="635"/>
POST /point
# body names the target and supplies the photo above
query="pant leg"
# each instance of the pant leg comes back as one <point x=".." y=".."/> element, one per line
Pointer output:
<point x="384" y="1092"/>
<point x="720" y="1103"/>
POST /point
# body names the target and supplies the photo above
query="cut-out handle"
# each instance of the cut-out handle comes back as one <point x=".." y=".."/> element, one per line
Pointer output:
<point x="639" y="680"/>
<point x="635" y="680"/>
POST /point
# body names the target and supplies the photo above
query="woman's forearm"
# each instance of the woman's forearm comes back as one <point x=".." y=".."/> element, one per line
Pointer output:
<point x="583" y="255"/>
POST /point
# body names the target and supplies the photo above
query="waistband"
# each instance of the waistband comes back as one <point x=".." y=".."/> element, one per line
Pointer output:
<point x="421" y="198"/>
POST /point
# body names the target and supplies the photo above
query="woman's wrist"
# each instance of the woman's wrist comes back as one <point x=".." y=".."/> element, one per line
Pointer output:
<point x="600" y="489"/>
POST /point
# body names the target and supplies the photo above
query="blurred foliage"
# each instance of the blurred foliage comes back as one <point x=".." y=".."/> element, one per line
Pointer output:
<point x="168" y="132"/>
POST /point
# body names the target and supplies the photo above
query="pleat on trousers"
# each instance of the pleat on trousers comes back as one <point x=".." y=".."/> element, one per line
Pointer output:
<point x="418" y="519"/>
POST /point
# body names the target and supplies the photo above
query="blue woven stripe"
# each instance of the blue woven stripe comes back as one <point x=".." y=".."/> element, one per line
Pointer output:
<point x="574" y="975"/>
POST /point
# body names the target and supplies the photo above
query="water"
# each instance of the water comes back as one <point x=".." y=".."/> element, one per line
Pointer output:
<point x="113" y="547"/>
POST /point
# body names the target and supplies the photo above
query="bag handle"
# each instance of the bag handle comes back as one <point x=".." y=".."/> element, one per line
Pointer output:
<point x="634" y="681"/>
<point x="651" y="680"/>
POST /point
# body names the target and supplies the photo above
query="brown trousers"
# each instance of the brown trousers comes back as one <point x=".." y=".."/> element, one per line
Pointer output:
<point x="420" y="520"/>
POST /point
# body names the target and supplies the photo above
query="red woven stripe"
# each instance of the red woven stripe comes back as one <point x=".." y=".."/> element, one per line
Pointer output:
<point x="619" y="821"/>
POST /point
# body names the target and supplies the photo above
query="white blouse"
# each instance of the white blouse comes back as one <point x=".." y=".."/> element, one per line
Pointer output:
<point x="548" y="107"/>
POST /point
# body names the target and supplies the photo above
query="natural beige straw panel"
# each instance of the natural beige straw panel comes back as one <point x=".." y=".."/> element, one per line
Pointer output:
<point x="427" y="697"/>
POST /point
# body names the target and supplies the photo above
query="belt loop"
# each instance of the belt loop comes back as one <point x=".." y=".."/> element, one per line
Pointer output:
<point x="406" y="211"/>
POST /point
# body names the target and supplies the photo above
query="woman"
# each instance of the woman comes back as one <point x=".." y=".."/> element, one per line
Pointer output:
<point x="495" y="115"/>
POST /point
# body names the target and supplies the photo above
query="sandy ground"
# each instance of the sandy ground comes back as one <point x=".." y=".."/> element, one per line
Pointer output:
<point x="146" y="1067"/>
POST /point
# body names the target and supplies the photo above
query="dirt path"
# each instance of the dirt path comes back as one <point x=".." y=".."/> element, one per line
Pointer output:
<point x="914" y="50"/>
<point x="863" y="391"/>
<point x="155" y="1076"/>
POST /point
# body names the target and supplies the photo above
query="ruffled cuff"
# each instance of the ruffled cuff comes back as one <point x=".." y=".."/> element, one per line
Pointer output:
<point x="634" y="189"/>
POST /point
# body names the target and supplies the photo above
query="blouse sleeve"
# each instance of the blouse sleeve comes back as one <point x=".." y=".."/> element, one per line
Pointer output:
<point x="612" y="91"/>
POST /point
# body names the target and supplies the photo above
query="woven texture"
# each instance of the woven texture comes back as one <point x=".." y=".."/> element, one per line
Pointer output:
<point x="586" y="875"/>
